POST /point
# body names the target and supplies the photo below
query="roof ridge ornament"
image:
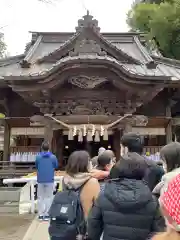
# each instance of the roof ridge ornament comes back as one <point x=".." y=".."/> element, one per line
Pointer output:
<point x="87" y="21"/>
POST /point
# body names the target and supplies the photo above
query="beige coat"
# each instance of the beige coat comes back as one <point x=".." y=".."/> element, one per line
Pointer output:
<point x="89" y="192"/>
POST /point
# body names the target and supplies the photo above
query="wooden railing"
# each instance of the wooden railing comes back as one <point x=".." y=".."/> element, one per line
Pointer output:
<point x="22" y="149"/>
<point x="9" y="170"/>
<point x="15" y="169"/>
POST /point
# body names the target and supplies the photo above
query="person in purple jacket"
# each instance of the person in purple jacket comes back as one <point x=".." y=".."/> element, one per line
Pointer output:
<point x="46" y="163"/>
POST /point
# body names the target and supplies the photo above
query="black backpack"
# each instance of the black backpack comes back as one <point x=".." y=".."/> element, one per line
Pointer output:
<point x="67" y="220"/>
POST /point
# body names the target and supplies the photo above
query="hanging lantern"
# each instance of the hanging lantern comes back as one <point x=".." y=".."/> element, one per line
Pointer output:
<point x="89" y="136"/>
<point x="74" y="131"/>
<point x="105" y="136"/>
<point x="84" y="130"/>
<point x="80" y="136"/>
<point x="97" y="138"/>
<point x="70" y="134"/>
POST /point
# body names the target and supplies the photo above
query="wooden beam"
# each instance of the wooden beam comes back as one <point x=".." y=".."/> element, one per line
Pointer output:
<point x="169" y="134"/>
<point x="116" y="143"/>
<point x="48" y="133"/>
<point x="7" y="136"/>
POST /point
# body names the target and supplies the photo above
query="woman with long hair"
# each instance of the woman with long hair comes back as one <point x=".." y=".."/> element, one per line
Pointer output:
<point x="170" y="155"/>
<point x="78" y="175"/>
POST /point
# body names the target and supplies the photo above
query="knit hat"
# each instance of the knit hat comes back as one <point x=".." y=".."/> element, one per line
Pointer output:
<point x="170" y="204"/>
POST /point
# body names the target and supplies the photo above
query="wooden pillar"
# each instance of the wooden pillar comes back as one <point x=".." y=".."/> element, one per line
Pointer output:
<point x="87" y="146"/>
<point x="59" y="146"/>
<point x="116" y="143"/>
<point x="169" y="134"/>
<point x="48" y="133"/>
<point x="7" y="136"/>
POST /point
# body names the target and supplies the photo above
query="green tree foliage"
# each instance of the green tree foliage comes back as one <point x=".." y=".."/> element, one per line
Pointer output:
<point x="2" y="46"/>
<point x="161" y="23"/>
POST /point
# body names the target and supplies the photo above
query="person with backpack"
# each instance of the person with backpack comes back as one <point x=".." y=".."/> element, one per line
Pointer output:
<point x="132" y="145"/>
<point x="74" y="200"/>
<point x="45" y="163"/>
<point x="126" y="209"/>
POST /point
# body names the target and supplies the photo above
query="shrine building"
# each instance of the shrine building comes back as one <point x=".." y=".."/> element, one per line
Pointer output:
<point x="83" y="90"/>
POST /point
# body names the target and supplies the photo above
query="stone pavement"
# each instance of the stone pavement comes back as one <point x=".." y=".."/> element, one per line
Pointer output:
<point x="14" y="227"/>
<point x="37" y="231"/>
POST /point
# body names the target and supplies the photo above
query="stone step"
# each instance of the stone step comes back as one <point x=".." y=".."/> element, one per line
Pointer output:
<point x="10" y="194"/>
<point x="9" y="208"/>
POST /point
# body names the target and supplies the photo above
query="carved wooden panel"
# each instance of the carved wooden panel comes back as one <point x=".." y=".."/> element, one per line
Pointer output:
<point x="87" y="82"/>
<point x="86" y="107"/>
<point x="104" y="99"/>
<point x="104" y="91"/>
<point x="87" y="46"/>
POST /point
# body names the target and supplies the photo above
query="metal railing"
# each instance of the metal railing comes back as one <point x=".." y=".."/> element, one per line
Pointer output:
<point x="32" y="182"/>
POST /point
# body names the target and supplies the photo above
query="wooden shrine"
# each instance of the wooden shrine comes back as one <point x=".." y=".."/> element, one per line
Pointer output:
<point x="76" y="84"/>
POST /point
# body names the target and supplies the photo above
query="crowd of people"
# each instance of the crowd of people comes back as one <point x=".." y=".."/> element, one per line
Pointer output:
<point x="131" y="198"/>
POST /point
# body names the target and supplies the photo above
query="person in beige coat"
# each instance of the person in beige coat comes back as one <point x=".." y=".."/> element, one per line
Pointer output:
<point x="78" y="175"/>
<point x="170" y="155"/>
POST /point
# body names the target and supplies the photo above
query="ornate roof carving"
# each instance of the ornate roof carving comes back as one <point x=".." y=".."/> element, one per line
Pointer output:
<point x="88" y="36"/>
<point x="87" y="46"/>
<point x="87" y="22"/>
<point x="86" y="82"/>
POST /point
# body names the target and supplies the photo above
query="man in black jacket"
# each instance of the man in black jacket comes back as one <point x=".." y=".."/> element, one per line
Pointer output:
<point x="126" y="210"/>
<point x="132" y="145"/>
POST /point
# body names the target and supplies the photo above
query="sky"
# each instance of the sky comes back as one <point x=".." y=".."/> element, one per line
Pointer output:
<point x="18" y="17"/>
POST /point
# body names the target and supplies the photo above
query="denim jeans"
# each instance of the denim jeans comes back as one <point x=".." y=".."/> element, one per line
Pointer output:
<point x="45" y="197"/>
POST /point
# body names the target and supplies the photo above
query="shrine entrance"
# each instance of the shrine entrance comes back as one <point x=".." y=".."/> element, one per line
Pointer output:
<point x="85" y="132"/>
<point x="91" y="147"/>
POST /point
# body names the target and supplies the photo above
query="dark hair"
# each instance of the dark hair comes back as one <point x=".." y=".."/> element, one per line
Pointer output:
<point x="78" y="162"/>
<point x="45" y="146"/>
<point x="170" y="154"/>
<point x="103" y="160"/>
<point x="129" y="168"/>
<point x="133" y="142"/>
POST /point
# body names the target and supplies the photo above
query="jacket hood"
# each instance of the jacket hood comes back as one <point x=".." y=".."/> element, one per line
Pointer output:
<point x="76" y="181"/>
<point x="99" y="174"/>
<point x="128" y="193"/>
<point x="45" y="154"/>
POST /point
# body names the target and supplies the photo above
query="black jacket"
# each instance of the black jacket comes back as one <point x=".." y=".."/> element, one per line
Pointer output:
<point x="153" y="174"/>
<point x="125" y="211"/>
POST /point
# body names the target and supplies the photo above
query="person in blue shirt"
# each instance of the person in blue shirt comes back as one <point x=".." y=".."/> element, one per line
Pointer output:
<point x="46" y="163"/>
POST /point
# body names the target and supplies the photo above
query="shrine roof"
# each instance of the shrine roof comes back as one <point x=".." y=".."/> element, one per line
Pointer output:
<point x="135" y="60"/>
<point x="52" y="41"/>
<point x="161" y="71"/>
